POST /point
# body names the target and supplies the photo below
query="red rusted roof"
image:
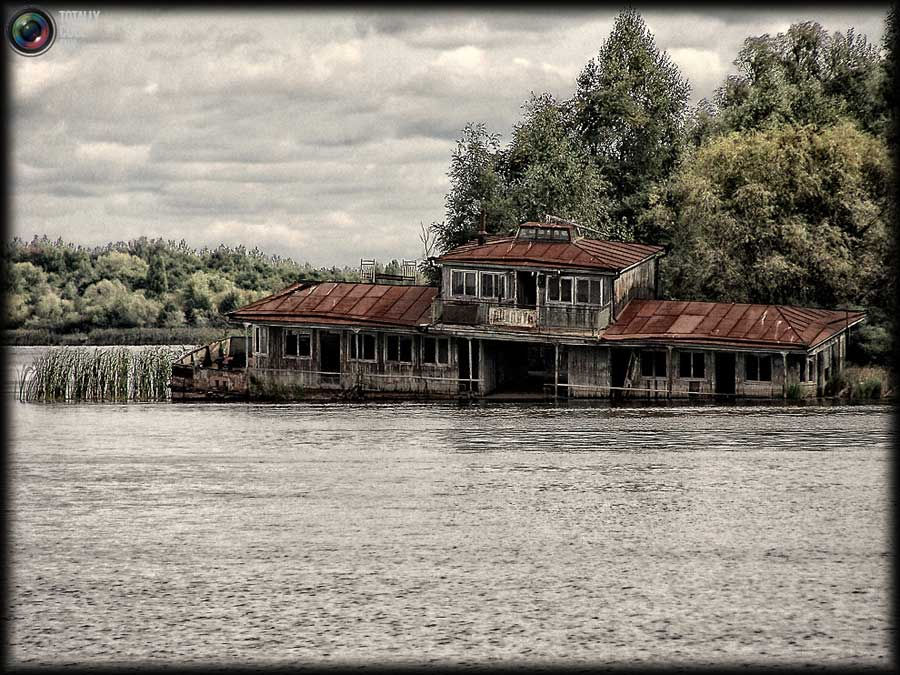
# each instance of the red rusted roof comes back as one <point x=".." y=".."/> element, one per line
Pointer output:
<point x="343" y="303"/>
<point x="728" y="324"/>
<point x="580" y="253"/>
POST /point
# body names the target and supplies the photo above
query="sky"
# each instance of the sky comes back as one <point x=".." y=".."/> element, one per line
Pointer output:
<point x="324" y="136"/>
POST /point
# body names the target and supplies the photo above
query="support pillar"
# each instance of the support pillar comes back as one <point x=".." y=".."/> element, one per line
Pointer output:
<point x="556" y="370"/>
<point x="784" y="377"/>
<point x="669" y="372"/>
<point x="470" y="364"/>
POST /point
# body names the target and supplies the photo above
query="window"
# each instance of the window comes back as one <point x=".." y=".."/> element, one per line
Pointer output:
<point x="362" y="347"/>
<point x="463" y="283"/>
<point x="493" y="285"/>
<point x="260" y="340"/>
<point x="436" y="350"/>
<point x="569" y="289"/>
<point x="692" y="364"/>
<point x="297" y="344"/>
<point x="565" y="289"/>
<point x="653" y="364"/>
<point x="758" y="368"/>
<point x="808" y="369"/>
<point x="399" y="348"/>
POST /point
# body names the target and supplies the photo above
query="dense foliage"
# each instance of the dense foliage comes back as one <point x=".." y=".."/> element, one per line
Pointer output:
<point x="779" y="190"/>
<point x="62" y="287"/>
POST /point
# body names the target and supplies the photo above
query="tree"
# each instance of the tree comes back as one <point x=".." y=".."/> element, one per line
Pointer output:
<point x="129" y="269"/>
<point x="157" y="279"/>
<point x="804" y="76"/>
<point x="476" y="189"/>
<point x="548" y="172"/>
<point x="630" y="109"/>
<point x="792" y="215"/>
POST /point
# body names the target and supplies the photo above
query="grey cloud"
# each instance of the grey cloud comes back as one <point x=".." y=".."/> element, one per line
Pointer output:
<point x="328" y="145"/>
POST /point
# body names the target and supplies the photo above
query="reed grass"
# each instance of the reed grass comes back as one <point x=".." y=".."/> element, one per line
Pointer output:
<point x="98" y="374"/>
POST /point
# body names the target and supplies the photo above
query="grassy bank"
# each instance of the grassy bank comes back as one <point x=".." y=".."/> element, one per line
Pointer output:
<point x="185" y="335"/>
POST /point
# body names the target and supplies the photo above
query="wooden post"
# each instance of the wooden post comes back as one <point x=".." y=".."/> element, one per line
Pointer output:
<point x="556" y="370"/>
<point x="784" y="375"/>
<point x="669" y="371"/>
<point x="470" y="364"/>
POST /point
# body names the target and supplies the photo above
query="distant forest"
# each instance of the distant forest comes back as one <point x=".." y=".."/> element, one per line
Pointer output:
<point x="62" y="287"/>
<point x="779" y="190"/>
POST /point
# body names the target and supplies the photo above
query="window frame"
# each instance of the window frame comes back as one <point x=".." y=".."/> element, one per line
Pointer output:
<point x="399" y="338"/>
<point x="437" y="350"/>
<point x="464" y="273"/>
<point x="759" y="360"/>
<point x="353" y="351"/>
<point x="555" y="281"/>
<point x="298" y="332"/>
<point x="498" y="279"/>
<point x="694" y="357"/>
<point x="657" y="353"/>
<point x="258" y="331"/>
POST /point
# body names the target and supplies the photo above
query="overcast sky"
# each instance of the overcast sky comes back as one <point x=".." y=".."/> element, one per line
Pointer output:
<point x="323" y="136"/>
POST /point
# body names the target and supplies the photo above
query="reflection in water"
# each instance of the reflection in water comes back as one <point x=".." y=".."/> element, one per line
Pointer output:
<point x="398" y="532"/>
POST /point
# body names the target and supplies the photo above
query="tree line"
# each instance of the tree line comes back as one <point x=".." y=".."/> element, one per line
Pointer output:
<point x="778" y="190"/>
<point x="143" y="283"/>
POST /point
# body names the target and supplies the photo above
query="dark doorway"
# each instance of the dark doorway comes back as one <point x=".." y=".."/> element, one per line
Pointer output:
<point x="527" y="289"/>
<point x="462" y="355"/>
<point x="522" y="367"/>
<point x="330" y="350"/>
<point x="620" y="360"/>
<point x="725" y="373"/>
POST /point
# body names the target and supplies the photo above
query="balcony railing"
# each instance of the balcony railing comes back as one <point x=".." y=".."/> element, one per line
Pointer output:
<point x="568" y="318"/>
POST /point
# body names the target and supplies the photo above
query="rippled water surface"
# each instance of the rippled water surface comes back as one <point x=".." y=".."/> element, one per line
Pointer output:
<point x="411" y="532"/>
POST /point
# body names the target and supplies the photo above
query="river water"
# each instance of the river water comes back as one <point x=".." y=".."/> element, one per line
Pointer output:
<point x="418" y="533"/>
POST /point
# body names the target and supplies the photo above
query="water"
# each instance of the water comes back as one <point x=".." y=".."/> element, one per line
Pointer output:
<point x="314" y="533"/>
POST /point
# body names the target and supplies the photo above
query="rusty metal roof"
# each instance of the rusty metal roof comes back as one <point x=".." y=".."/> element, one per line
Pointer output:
<point x="728" y="324"/>
<point x="580" y="253"/>
<point x="343" y="303"/>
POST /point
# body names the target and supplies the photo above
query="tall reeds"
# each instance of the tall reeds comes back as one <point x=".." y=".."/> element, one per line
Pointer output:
<point x="98" y="374"/>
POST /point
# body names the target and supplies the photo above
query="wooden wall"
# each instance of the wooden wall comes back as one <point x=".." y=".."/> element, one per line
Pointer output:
<point x="638" y="282"/>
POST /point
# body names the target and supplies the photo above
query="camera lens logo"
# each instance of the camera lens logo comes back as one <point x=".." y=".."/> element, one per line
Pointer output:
<point x="31" y="31"/>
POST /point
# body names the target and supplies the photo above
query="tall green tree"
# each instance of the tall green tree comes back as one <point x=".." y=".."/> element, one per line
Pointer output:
<point x="476" y="189"/>
<point x="547" y="171"/>
<point x="804" y="76"/>
<point x="630" y="109"/>
<point x="791" y="215"/>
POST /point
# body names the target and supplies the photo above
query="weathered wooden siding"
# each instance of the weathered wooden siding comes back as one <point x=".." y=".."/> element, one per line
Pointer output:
<point x="638" y="282"/>
<point x="274" y="374"/>
<point x="588" y="371"/>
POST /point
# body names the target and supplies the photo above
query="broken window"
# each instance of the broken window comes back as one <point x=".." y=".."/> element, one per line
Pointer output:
<point x="436" y="350"/>
<point x="493" y="285"/>
<point x="653" y="364"/>
<point x="758" y="368"/>
<point x="399" y="348"/>
<point x="692" y="364"/>
<point x="362" y="347"/>
<point x="260" y="340"/>
<point x="297" y="344"/>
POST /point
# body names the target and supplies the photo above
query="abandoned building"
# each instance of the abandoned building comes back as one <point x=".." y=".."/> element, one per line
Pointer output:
<point x="543" y="312"/>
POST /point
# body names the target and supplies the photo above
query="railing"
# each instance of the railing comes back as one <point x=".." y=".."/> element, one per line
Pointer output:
<point x="512" y="316"/>
<point x="571" y="318"/>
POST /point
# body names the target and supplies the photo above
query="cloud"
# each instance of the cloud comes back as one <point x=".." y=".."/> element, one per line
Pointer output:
<point x="322" y="135"/>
